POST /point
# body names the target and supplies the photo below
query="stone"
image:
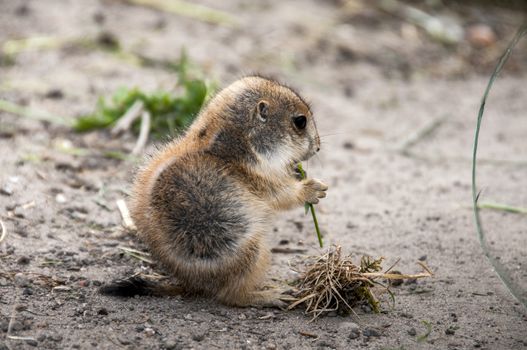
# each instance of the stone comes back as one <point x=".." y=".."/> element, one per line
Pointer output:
<point x="481" y="35"/>
<point x="31" y="342"/>
<point x="351" y="329"/>
<point x="23" y="260"/>
<point x="371" y="332"/>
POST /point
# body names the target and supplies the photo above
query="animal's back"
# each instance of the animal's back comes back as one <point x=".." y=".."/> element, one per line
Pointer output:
<point x="201" y="209"/>
<point x="200" y="222"/>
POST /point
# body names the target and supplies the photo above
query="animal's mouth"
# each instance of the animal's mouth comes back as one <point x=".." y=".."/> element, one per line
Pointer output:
<point x="308" y="155"/>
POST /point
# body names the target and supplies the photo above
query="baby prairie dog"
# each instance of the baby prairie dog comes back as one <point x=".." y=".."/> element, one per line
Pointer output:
<point x="204" y="202"/>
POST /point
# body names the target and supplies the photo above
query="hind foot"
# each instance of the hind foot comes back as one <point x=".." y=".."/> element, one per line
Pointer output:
<point x="273" y="299"/>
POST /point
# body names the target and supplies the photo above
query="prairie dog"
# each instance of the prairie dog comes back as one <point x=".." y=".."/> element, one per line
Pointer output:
<point x="204" y="202"/>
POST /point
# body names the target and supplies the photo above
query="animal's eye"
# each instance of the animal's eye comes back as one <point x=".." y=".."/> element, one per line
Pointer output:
<point x="300" y="121"/>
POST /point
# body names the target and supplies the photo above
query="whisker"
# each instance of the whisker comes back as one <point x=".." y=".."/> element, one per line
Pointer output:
<point x="317" y="158"/>
<point x="333" y="134"/>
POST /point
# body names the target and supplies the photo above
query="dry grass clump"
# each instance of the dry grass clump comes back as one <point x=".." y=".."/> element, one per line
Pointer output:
<point x="332" y="282"/>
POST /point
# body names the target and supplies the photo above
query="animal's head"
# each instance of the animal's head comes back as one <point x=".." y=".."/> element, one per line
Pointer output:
<point x="279" y="124"/>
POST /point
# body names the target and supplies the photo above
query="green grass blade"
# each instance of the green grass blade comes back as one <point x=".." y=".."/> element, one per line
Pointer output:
<point x="191" y="10"/>
<point x="22" y="111"/>
<point x="500" y="270"/>
<point x="502" y="207"/>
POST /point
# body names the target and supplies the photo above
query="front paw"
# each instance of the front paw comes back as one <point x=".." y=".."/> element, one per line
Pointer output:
<point x="313" y="190"/>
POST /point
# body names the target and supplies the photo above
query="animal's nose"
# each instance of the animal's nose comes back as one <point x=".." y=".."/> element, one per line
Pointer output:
<point x="318" y="148"/>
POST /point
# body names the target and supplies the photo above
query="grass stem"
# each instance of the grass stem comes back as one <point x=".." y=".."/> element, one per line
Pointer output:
<point x="312" y="209"/>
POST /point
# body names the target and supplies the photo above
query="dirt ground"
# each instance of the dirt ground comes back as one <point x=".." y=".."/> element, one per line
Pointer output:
<point x="376" y="82"/>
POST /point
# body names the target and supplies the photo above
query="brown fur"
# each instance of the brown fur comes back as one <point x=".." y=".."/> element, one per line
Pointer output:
<point x="204" y="202"/>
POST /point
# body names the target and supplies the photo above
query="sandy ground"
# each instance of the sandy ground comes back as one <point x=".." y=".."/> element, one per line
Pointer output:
<point x="374" y="81"/>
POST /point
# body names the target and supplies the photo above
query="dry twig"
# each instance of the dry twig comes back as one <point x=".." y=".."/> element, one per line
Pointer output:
<point x="143" y="133"/>
<point x="126" y="121"/>
<point x="13" y="317"/>
<point x="288" y="250"/>
<point x="3" y="235"/>
<point x="128" y="223"/>
<point x="137" y="254"/>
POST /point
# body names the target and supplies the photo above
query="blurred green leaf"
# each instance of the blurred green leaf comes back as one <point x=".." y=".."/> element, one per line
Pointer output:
<point x="171" y="112"/>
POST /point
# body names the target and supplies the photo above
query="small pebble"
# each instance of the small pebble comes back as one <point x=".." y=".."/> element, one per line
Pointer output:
<point x="366" y="308"/>
<point x="84" y="283"/>
<point x="371" y="332"/>
<point x="55" y="93"/>
<point x="149" y="332"/>
<point x="325" y="344"/>
<point x="23" y="260"/>
<point x="19" y="212"/>
<point x="412" y="332"/>
<point x="56" y="338"/>
<point x="348" y="145"/>
<point x="21" y="232"/>
<point x="171" y="344"/>
<point x="450" y="331"/>
<point x="21" y="280"/>
<point x="481" y="35"/>
<point x="17" y="326"/>
<point x="396" y="283"/>
<point x="351" y="329"/>
<point x="60" y="198"/>
<point x="99" y="17"/>
<point x="123" y="340"/>
<point x="31" y="342"/>
<point x="108" y="40"/>
<point x="14" y="179"/>
<point x="198" y="337"/>
<point x="6" y="191"/>
<point x="22" y="10"/>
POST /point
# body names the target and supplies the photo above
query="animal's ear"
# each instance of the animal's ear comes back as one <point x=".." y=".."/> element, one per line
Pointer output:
<point x="262" y="110"/>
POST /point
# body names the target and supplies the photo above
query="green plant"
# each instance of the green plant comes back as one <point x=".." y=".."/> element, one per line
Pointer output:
<point x="170" y="111"/>
<point x="498" y="267"/>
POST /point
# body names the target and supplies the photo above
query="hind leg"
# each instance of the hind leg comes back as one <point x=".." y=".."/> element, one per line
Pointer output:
<point x="243" y="286"/>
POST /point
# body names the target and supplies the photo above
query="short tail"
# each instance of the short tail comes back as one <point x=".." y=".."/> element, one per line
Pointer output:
<point x="137" y="285"/>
